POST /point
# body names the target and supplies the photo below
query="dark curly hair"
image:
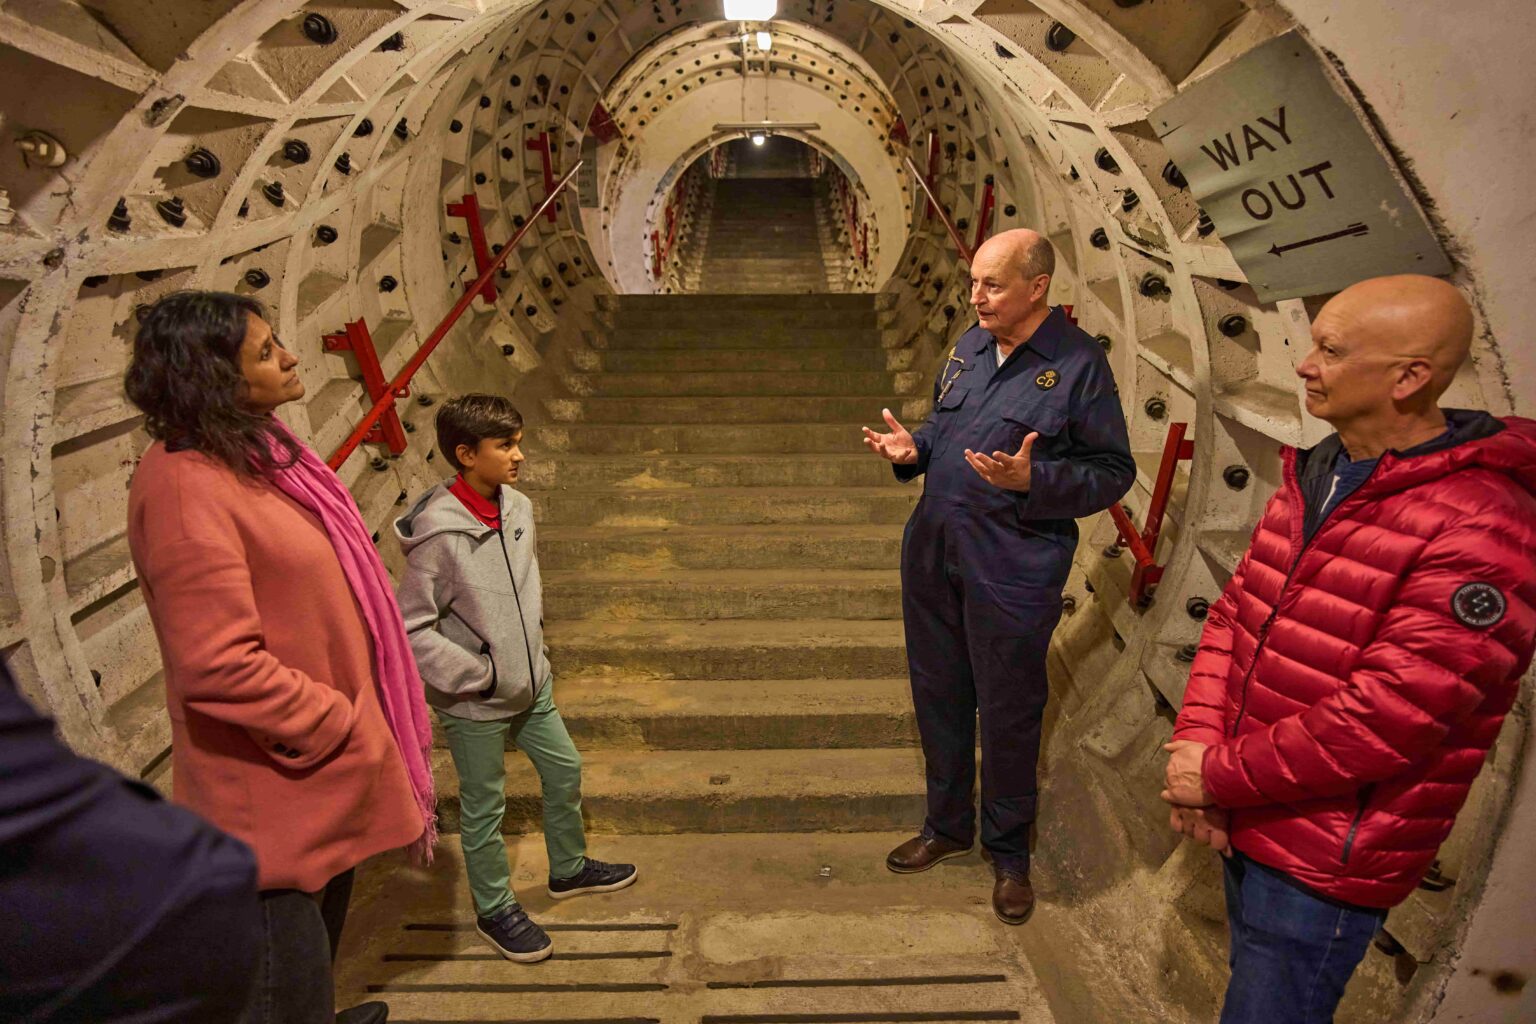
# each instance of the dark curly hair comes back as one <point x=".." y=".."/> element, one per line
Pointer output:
<point x="185" y="376"/>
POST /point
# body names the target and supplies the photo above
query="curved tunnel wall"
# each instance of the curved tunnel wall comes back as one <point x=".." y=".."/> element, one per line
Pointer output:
<point x="132" y="94"/>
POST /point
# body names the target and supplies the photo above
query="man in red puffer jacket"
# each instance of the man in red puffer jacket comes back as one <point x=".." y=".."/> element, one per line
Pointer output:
<point x="1358" y="666"/>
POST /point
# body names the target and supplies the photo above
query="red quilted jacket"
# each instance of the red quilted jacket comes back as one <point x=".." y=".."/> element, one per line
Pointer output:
<point x="1356" y="670"/>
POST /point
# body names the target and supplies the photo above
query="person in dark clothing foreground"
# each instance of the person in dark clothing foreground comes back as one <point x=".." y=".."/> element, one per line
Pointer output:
<point x="116" y="907"/>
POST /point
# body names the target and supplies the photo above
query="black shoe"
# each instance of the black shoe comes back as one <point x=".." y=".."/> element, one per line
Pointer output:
<point x="515" y="936"/>
<point x="364" y="1013"/>
<point x="594" y="877"/>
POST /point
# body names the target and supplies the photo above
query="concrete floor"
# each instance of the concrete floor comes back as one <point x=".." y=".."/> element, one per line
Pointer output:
<point x="733" y="929"/>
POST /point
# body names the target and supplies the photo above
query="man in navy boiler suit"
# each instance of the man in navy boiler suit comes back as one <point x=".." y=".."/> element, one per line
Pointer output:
<point x="1026" y="436"/>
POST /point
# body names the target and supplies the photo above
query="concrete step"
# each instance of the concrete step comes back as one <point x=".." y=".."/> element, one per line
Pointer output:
<point x="750" y="318"/>
<point x="690" y="303"/>
<point x="705" y="439"/>
<point x="735" y="714"/>
<point x="726" y="593"/>
<point x="721" y="506"/>
<point x="740" y="928"/>
<point x="857" y="468"/>
<point x="653" y="792"/>
<point x="715" y="383"/>
<point x="755" y="360"/>
<point x="785" y="409"/>
<point x="730" y="648"/>
<point x="798" y="546"/>
<point x="765" y="337"/>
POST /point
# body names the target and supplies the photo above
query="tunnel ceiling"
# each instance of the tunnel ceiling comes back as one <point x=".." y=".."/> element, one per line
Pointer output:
<point x="306" y="154"/>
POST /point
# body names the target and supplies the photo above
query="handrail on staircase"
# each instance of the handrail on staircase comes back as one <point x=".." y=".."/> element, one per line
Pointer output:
<point x="396" y="386"/>
<point x="949" y="225"/>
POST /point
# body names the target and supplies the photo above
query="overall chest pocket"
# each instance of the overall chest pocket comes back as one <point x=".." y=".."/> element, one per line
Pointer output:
<point x="1019" y="420"/>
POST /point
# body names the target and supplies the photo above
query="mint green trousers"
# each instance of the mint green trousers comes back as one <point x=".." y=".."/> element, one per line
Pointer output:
<point x="478" y="750"/>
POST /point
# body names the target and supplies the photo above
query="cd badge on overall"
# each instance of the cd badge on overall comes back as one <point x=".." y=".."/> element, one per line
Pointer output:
<point x="1047" y="380"/>
<point x="1478" y="605"/>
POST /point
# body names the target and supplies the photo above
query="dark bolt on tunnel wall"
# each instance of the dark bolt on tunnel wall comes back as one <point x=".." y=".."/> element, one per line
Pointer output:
<point x="318" y="157"/>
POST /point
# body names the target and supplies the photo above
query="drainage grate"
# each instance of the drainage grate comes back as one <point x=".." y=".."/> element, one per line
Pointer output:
<point x="637" y="954"/>
<point x="937" y="979"/>
<point x="643" y="926"/>
<point x="524" y="989"/>
<point x="857" y="1018"/>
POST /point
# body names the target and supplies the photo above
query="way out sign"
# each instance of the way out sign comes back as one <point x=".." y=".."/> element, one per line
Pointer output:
<point x="1293" y="180"/>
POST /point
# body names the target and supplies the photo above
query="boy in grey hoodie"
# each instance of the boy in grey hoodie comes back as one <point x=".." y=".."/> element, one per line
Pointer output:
<point x="473" y="609"/>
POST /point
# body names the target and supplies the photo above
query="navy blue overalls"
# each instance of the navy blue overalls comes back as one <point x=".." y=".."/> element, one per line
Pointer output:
<point x="982" y="568"/>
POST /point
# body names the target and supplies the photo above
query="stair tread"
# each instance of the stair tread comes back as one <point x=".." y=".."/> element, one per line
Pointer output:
<point x="681" y="634"/>
<point x="725" y="577"/>
<point x="638" y="774"/>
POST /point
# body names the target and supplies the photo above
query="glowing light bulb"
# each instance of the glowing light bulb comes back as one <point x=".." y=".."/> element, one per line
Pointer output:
<point x="751" y="10"/>
<point x="764" y="41"/>
<point x="758" y="138"/>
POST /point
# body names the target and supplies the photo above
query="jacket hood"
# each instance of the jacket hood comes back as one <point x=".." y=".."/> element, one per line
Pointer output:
<point x="437" y="512"/>
<point x="1476" y="440"/>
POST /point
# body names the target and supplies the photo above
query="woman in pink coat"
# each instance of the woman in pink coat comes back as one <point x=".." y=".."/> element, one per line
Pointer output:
<point x="296" y="712"/>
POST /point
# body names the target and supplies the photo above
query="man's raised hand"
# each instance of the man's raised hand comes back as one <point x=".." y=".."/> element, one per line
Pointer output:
<point x="1010" y="472"/>
<point x="897" y="446"/>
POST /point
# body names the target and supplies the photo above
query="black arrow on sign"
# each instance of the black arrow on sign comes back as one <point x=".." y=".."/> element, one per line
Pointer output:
<point x="1354" y="229"/>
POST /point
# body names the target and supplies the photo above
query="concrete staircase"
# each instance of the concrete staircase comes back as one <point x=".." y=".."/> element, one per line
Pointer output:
<point x="763" y="236"/>
<point x="720" y="566"/>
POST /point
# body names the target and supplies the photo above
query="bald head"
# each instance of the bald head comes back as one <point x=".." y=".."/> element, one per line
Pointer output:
<point x="1022" y="251"/>
<point x="1383" y="352"/>
<point x="1406" y="316"/>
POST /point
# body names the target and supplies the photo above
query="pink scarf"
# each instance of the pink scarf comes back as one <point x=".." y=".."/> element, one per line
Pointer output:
<point x="312" y="484"/>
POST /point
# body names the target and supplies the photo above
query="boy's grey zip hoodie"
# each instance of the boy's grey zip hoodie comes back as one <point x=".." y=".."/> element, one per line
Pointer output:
<point x="473" y="605"/>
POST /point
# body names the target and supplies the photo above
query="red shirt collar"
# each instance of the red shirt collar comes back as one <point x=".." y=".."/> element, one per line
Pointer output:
<point x="487" y="510"/>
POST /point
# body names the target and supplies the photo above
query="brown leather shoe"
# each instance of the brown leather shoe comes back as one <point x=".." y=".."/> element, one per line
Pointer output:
<point x="1013" y="898"/>
<point x="921" y="853"/>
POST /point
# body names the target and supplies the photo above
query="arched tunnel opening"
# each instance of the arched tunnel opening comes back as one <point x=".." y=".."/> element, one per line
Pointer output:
<point x="734" y="243"/>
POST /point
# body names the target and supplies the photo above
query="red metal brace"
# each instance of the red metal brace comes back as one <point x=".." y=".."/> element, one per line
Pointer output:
<point x="1143" y="545"/>
<point x="899" y="132"/>
<point x="988" y="201"/>
<point x="864" y="244"/>
<point x="469" y="209"/>
<point x="656" y="255"/>
<point x="541" y="144"/>
<point x="933" y="171"/>
<point x="601" y="125"/>
<point x="359" y="342"/>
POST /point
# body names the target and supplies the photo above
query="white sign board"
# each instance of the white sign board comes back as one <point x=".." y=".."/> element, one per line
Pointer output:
<point x="1293" y="180"/>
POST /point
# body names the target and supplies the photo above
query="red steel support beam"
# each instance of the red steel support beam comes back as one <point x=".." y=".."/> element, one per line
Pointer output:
<point x="933" y="200"/>
<point x="931" y="181"/>
<point x="541" y="144"/>
<point x="469" y="209"/>
<point x="386" y="429"/>
<point x="984" y="222"/>
<point x="1143" y="545"/>
<point x="386" y="401"/>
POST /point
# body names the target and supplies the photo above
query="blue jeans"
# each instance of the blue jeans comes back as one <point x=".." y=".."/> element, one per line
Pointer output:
<point x="1291" y="952"/>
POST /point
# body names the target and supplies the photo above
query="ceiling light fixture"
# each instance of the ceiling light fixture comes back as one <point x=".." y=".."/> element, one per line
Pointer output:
<point x="758" y="138"/>
<point x="751" y="10"/>
<point x="764" y="42"/>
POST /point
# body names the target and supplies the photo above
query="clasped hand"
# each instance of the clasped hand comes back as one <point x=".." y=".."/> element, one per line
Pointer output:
<point x="1009" y="472"/>
<point x="1192" y="813"/>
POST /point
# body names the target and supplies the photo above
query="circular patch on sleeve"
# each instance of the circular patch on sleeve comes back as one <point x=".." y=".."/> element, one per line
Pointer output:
<point x="1478" y="605"/>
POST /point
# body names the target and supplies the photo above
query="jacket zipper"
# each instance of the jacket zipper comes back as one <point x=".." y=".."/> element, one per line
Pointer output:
<point x="533" y="681"/>
<point x="1242" y="703"/>
<point x="1354" y="826"/>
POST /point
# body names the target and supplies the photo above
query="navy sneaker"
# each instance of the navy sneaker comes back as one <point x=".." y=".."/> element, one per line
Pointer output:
<point x="515" y="936"/>
<point x="594" y="877"/>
